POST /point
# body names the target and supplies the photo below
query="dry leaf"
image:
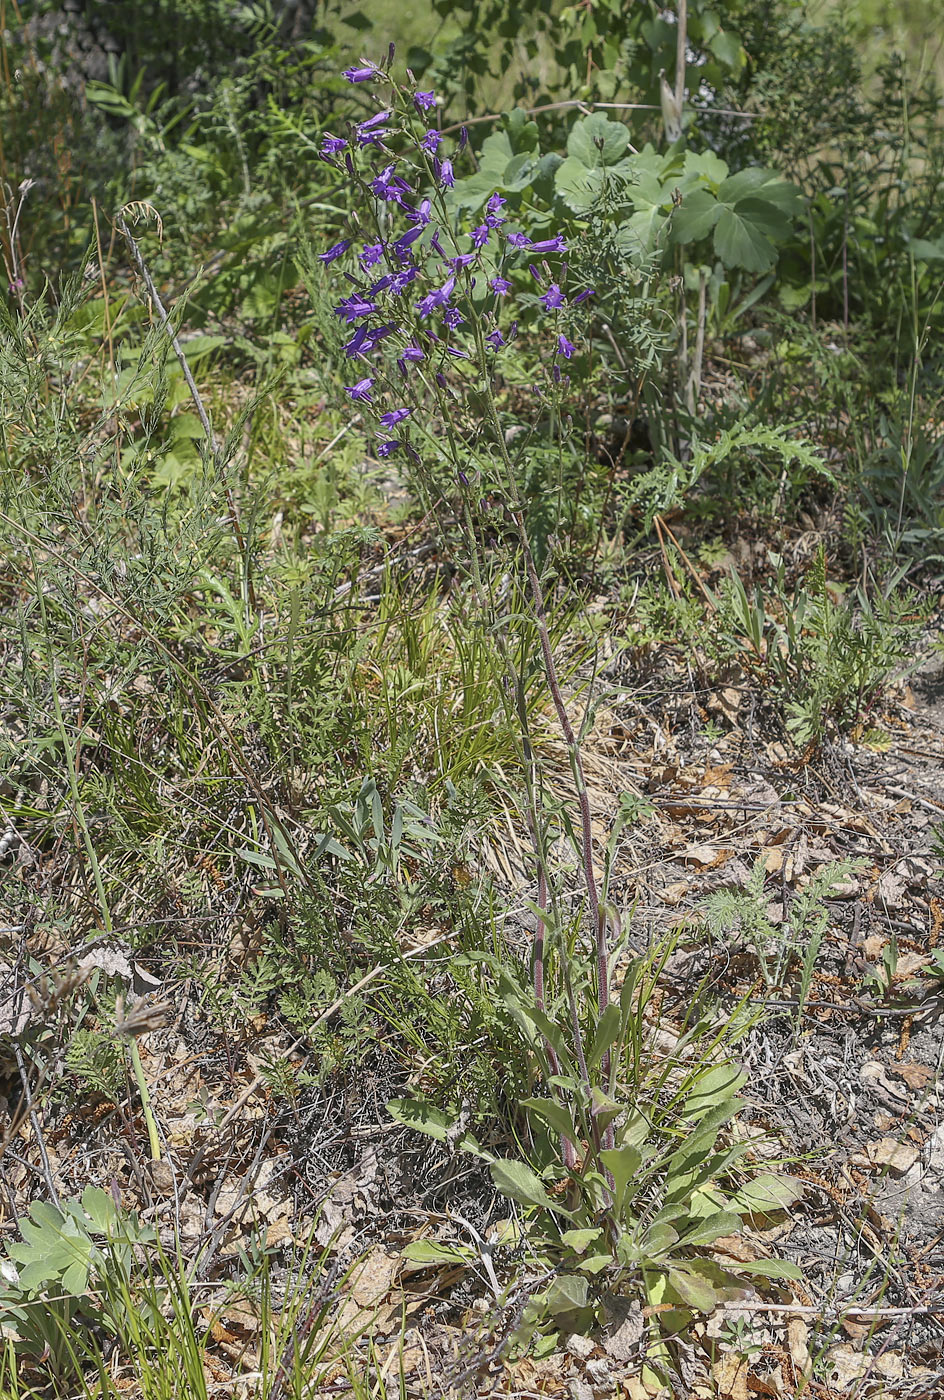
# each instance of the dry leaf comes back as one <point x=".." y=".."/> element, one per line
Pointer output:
<point x="797" y="1338"/>
<point x="897" y="1156"/>
<point x="674" y="894"/>
<point x="372" y="1277"/>
<point x="914" y="1075"/>
<point x="707" y="857"/>
<point x="730" y="1374"/>
<point x="845" y="1365"/>
<point x="735" y="1247"/>
<point x="773" y="860"/>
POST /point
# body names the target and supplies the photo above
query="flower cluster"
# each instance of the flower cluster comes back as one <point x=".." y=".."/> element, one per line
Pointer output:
<point x="427" y="294"/>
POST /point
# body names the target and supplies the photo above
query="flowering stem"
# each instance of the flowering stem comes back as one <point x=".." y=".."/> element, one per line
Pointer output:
<point x="597" y="915"/>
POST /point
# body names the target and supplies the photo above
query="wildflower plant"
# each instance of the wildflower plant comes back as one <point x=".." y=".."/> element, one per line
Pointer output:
<point x="432" y="304"/>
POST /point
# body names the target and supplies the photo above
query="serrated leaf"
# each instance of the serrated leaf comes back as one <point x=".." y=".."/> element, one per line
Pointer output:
<point x="740" y="242"/>
<point x="695" y="217"/>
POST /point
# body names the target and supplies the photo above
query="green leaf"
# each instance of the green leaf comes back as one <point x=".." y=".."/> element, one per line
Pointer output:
<point x="99" y="1206"/>
<point x="623" y="1164"/>
<point x="578" y="186"/>
<point x="581" y="1240"/>
<point x="518" y="1182"/>
<point x="554" y="1114"/>
<point x="595" y="140"/>
<point x="422" y="1116"/>
<point x="567" y="1293"/>
<point x="766" y="1193"/>
<point x="431" y="1252"/>
<point x="605" y="1033"/>
<point x="695" y="217"/>
<point x="707" y="1231"/>
<point x="772" y="1268"/>
<point x="741" y="241"/>
<point x="714" y="1089"/>
<point x="692" y="1290"/>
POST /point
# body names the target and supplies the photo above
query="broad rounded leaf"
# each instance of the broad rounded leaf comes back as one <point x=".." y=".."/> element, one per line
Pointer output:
<point x="695" y="217"/>
<point x="739" y="242"/>
<point x="595" y="140"/>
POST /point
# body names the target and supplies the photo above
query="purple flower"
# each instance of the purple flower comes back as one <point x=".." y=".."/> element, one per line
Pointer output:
<point x="364" y="340"/>
<point x="453" y="318"/>
<point x="441" y="380"/>
<point x="401" y="280"/>
<point x="462" y="260"/>
<point x="353" y="347"/>
<point x="519" y="240"/>
<point x="534" y="272"/>
<point x="564" y="347"/>
<point x="374" y="337"/>
<point x="430" y="142"/>
<point x="500" y="286"/>
<point x="331" y="145"/>
<point x="372" y="254"/>
<point x="463" y="138"/>
<point x="439" y="297"/>
<point x="457" y="354"/>
<point x="373" y="131"/>
<point x="495" y="339"/>
<point x="444" y="173"/>
<point x="353" y="308"/>
<point x="495" y="202"/>
<point x="436" y="246"/>
<point x="582" y="296"/>
<point x="361" y="390"/>
<point x="420" y="215"/>
<point x="480" y="236"/>
<point x="362" y="75"/>
<point x="386" y="448"/>
<point x="424" y="101"/>
<point x="553" y="297"/>
<point x="337" y="251"/>
<point x="550" y="245"/>
<point x="397" y="415"/>
<point x="403" y="242"/>
<point x="386" y="185"/>
<point x="410" y="354"/>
